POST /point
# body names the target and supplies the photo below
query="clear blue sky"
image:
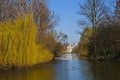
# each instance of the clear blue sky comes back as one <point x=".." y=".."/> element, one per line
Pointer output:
<point x="66" y="10"/>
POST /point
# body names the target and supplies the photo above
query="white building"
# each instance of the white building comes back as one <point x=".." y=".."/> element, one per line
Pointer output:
<point x="70" y="48"/>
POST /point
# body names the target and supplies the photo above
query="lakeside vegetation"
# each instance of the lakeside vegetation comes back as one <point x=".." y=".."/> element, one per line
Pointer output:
<point x="101" y="40"/>
<point x="27" y="34"/>
<point x="18" y="45"/>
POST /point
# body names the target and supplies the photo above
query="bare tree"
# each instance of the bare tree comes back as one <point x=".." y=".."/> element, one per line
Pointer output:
<point x="117" y="7"/>
<point x="44" y="18"/>
<point x="117" y="12"/>
<point x="94" y="11"/>
<point x="10" y="9"/>
<point x="61" y="37"/>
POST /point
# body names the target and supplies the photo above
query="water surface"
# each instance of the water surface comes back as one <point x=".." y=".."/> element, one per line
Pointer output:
<point x="66" y="70"/>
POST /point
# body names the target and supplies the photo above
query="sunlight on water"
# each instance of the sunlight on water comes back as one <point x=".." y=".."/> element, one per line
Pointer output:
<point x="69" y="56"/>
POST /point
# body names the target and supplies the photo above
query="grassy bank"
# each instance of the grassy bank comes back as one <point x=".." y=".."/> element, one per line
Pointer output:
<point x="18" y="45"/>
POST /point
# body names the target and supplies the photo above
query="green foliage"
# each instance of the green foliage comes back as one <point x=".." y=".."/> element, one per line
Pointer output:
<point x="108" y="40"/>
<point x="18" y="45"/>
<point x="104" y="41"/>
<point x="83" y="44"/>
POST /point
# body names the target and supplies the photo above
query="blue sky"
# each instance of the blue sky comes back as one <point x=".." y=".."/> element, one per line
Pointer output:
<point x="66" y="10"/>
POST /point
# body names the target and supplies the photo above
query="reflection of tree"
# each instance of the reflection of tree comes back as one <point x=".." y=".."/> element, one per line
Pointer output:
<point x="87" y="70"/>
<point x="34" y="73"/>
<point x="74" y="70"/>
<point x="106" y="71"/>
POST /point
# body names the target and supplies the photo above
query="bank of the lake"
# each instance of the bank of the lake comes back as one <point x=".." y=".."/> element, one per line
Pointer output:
<point x="114" y="59"/>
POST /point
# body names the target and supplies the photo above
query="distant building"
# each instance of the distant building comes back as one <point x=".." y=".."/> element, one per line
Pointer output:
<point x="70" y="47"/>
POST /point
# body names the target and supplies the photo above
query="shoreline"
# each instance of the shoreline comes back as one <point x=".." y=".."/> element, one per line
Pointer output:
<point x="116" y="59"/>
<point x="5" y="68"/>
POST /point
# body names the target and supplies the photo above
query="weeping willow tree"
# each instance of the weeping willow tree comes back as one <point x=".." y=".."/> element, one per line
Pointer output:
<point x="18" y="45"/>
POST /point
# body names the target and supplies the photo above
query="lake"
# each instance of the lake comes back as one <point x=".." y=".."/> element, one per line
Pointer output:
<point x="66" y="70"/>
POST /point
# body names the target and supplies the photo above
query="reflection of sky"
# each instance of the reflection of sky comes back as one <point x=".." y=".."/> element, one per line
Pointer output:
<point x="72" y="70"/>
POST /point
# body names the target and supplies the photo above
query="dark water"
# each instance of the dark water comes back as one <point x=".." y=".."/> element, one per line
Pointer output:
<point x="66" y="70"/>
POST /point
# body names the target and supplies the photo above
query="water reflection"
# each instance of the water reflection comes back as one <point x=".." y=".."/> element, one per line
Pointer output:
<point x="106" y="70"/>
<point x="66" y="70"/>
<point x="43" y="72"/>
<point x="72" y="70"/>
